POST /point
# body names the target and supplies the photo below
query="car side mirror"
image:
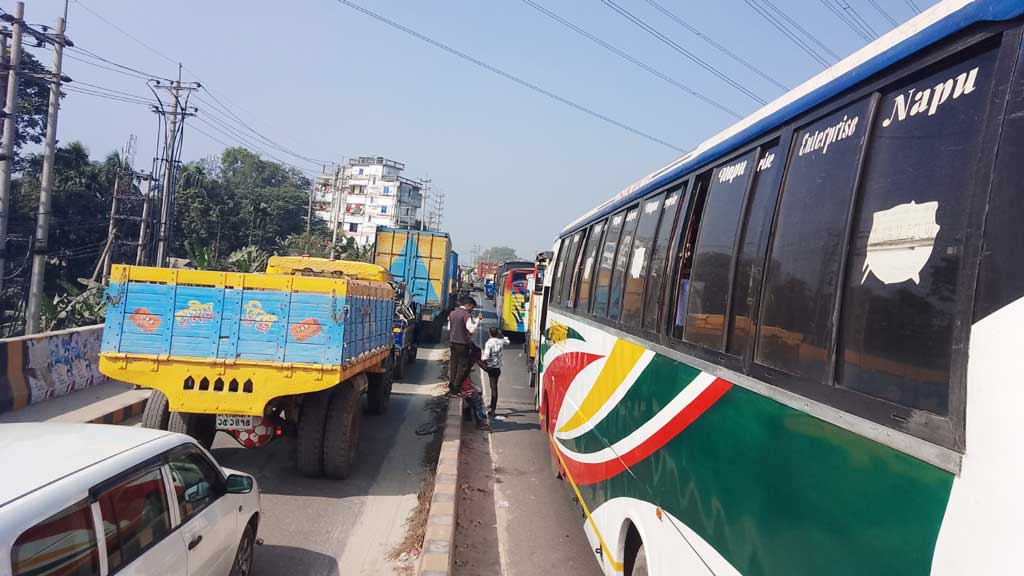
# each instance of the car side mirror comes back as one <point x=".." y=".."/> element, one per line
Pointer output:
<point x="239" y="484"/>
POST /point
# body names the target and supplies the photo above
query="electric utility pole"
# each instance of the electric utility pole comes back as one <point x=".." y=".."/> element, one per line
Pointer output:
<point x="424" y="193"/>
<point x="10" y="117"/>
<point x="337" y="201"/>
<point x="172" y="144"/>
<point x="33" y="311"/>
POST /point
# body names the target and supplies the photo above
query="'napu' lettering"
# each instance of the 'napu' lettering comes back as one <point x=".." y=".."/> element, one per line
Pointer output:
<point x="730" y="173"/>
<point x="930" y="99"/>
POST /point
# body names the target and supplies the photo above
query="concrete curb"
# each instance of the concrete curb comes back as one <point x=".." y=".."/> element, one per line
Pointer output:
<point x="121" y="414"/>
<point x="439" y="540"/>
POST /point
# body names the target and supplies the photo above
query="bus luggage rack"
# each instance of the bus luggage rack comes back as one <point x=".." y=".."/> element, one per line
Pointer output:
<point x="218" y="385"/>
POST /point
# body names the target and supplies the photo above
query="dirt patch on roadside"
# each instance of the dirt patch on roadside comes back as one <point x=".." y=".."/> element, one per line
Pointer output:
<point x="476" y="528"/>
<point x="406" y="553"/>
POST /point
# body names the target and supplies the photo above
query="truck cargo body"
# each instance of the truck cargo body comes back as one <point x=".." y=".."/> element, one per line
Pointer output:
<point x="421" y="259"/>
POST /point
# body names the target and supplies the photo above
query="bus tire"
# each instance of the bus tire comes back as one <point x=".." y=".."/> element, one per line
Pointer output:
<point x="309" y="443"/>
<point x="378" y="393"/>
<point x="156" y="413"/>
<point x="640" y="564"/>
<point x="341" y="436"/>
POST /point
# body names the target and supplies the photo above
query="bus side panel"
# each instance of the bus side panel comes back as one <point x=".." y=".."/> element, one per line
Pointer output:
<point x="758" y="487"/>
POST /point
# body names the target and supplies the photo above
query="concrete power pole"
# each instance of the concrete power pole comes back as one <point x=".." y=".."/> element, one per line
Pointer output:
<point x="166" y="208"/>
<point x="140" y="251"/>
<point x="33" y="311"/>
<point x="10" y="118"/>
<point x="335" y="209"/>
<point x="424" y="194"/>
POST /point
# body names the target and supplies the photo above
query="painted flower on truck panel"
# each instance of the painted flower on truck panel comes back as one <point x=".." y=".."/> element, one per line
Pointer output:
<point x="306" y="329"/>
<point x="144" y="320"/>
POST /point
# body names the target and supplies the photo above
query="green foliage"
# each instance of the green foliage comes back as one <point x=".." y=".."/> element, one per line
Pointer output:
<point x="74" y="307"/>
<point x="498" y="254"/>
<point x="248" y="259"/>
<point x="33" y="102"/>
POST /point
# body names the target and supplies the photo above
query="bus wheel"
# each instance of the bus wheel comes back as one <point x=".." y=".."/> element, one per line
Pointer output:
<point x="309" y="444"/>
<point x="341" y="437"/>
<point x="640" y="564"/>
<point x="156" y="414"/>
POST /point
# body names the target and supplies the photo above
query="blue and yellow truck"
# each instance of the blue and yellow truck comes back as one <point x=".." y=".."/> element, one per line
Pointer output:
<point x="422" y="260"/>
<point x="257" y="355"/>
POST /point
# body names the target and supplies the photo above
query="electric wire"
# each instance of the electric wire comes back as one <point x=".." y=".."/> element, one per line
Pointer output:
<point x="90" y="63"/>
<point x="856" y="16"/>
<point x="780" y="26"/>
<point x="845" y="19"/>
<point x="800" y="30"/>
<point x="629" y="58"/>
<point x="913" y="6"/>
<point x="681" y="50"/>
<point x="883" y="12"/>
<point x="508" y="76"/>
<point x="722" y="49"/>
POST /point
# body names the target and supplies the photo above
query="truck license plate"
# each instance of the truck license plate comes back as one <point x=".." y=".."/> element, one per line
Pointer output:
<point x="233" y="422"/>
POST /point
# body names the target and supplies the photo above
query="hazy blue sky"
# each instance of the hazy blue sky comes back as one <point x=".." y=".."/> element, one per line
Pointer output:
<point x="327" y="81"/>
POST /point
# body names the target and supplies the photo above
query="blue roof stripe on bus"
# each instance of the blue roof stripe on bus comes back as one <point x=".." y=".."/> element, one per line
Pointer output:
<point x="929" y="27"/>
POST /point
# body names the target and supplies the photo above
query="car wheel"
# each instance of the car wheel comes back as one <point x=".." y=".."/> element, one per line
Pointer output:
<point x="243" y="557"/>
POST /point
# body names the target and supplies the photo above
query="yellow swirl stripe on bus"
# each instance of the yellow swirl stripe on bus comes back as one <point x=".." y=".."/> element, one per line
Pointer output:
<point x="620" y="362"/>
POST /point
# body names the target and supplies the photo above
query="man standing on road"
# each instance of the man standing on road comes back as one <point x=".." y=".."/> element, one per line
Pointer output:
<point x="461" y="327"/>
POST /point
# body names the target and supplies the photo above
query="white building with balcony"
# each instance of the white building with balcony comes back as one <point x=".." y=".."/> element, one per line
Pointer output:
<point x="365" y="193"/>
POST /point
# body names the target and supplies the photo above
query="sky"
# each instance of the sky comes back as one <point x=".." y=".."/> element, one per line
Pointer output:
<point x="327" y="82"/>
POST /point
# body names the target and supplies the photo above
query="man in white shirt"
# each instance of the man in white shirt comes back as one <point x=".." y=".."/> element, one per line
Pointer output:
<point x="491" y="358"/>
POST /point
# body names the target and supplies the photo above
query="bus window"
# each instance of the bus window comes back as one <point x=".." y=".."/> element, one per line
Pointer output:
<point x="753" y="245"/>
<point x="688" y="228"/>
<point x="901" y="294"/>
<point x="796" y="327"/>
<point x="556" y="280"/>
<point x="604" y="266"/>
<point x="589" y="258"/>
<point x="650" y="209"/>
<point x="568" y="275"/>
<point x="712" y="260"/>
<point x="659" y="258"/>
<point x="621" y="259"/>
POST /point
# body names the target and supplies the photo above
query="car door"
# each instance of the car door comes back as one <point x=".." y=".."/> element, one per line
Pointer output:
<point x="208" y="517"/>
<point x="137" y="523"/>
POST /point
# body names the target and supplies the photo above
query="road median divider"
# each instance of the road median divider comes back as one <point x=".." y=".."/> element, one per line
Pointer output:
<point x="438" y="539"/>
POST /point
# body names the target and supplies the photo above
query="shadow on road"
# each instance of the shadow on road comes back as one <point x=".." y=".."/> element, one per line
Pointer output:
<point x="271" y="560"/>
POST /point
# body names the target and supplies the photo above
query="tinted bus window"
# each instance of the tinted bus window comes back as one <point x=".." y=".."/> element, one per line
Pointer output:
<point x="559" y="271"/>
<point x="712" y="261"/>
<point x="753" y="245"/>
<point x="901" y="285"/>
<point x="604" y="266"/>
<point x="636" y="269"/>
<point x="568" y="275"/>
<point x="621" y="259"/>
<point x="796" y="325"/>
<point x="659" y="258"/>
<point x="589" y="259"/>
<point x="688" y="228"/>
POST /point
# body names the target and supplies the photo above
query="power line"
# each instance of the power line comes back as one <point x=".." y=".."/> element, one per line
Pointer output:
<point x="793" y="24"/>
<point x="507" y="75"/>
<point x="855" y="15"/>
<point x="883" y="12"/>
<point x="785" y="31"/>
<point x="113" y="91"/>
<point x="846" y="19"/>
<point x="721" y="48"/>
<point x="630" y="58"/>
<point x="81" y="50"/>
<point x="913" y="6"/>
<point x="111" y="69"/>
<point x="103" y="95"/>
<point x="689" y="55"/>
<point x="221" y="128"/>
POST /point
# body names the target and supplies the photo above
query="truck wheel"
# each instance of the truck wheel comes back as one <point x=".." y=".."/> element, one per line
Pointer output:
<point x="378" y="392"/>
<point x="309" y="443"/>
<point x="156" y="414"/>
<point x="399" y="365"/>
<point x="341" y="438"/>
<point x="202" y="427"/>
<point x="411" y="357"/>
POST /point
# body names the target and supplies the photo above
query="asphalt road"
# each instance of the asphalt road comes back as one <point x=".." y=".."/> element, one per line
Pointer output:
<point x="539" y="527"/>
<point x="321" y="527"/>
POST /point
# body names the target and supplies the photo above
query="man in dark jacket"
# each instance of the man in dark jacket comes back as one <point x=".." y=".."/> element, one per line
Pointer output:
<point x="461" y="327"/>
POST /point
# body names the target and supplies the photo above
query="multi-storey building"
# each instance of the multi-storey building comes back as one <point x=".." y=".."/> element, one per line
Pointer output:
<point x="365" y="193"/>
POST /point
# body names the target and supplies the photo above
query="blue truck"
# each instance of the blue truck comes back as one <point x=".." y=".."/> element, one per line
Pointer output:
<point x="422" y="260"/>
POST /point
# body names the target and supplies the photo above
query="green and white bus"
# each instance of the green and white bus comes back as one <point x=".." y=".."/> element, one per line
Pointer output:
<point x="793" y="350"/>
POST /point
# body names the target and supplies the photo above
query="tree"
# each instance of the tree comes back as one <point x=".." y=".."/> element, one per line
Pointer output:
<point x="498" y="254"/>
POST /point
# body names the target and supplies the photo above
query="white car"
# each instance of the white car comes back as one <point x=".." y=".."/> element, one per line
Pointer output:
<point x="89" y="499"/>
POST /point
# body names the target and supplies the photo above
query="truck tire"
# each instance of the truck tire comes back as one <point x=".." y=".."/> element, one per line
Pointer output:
<point x="341" y="436"/>
<point x="156" y="414"/>
<point x="411" y="357"/>
<point x="398" y="369"/>
<point x="202" y="427"/>
<point x="378" y="392"/>
<point x="309" y="443"/>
